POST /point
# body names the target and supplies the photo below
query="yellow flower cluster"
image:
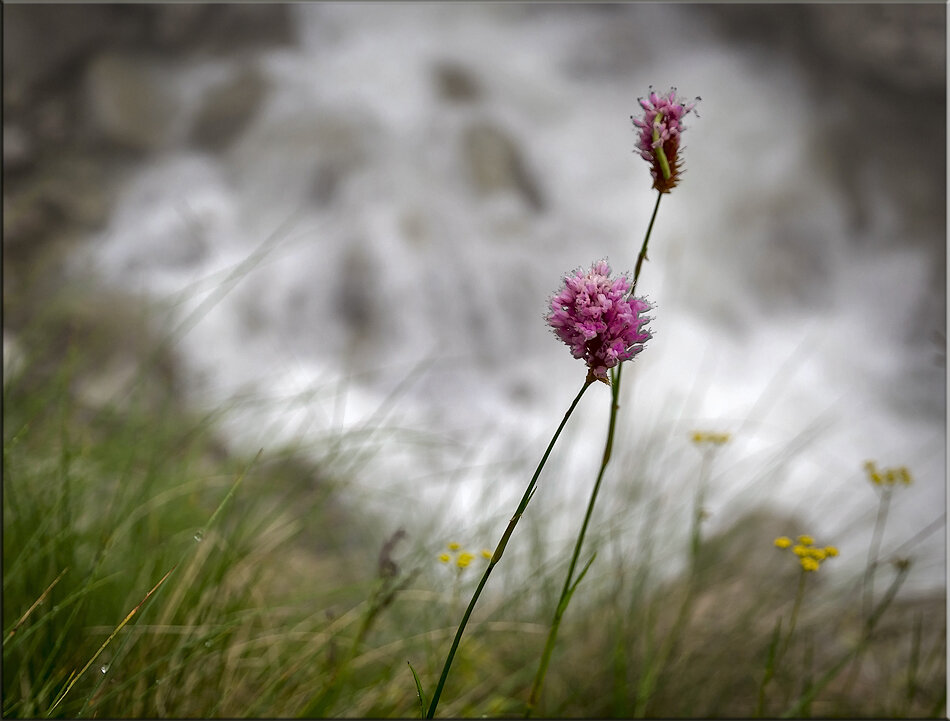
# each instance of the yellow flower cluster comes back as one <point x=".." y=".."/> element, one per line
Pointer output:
<point x="463" y="559"/>
<point x="700" y="437"/>
<point x="808" y="554"/>
<point x="887" y="476"/>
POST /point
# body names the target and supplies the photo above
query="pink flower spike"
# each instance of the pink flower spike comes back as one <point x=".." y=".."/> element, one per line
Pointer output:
<point x="593" y="315"/>
<point x="659" y="133"/>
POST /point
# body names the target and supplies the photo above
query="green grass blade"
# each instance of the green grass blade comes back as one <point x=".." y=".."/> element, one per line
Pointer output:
<point x="422" y="697"/>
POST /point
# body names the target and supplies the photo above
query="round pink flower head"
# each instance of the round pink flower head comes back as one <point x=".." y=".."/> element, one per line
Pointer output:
<point x="594" y="316"/>
<point x="659" y="142"/>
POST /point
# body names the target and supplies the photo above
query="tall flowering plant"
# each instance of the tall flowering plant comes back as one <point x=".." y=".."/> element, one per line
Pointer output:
<point x="659" y="131"/>
<point x="600" y="320"/>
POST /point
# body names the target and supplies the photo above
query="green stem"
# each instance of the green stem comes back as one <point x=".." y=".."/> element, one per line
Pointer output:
<point x="873" y="551"/>
<point x="643" y="249"/>
<point x="500" y="549"/>
<point x="769" y="667"/>
<point x="795" y="609"/>
<point x="868" y="583"/>
<point x="648" y="682"/>
<point x="608" y="449"/>
<point x="565" y="591"/>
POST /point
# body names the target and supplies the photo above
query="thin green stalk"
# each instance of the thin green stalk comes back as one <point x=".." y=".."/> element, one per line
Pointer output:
<point x="913" y="664"/>
<point x="874" y="549"/>
<point x="798" y="604"/>
<point x="646" y="240"/>
<point x="769" y="667"/>
<point x="608" y="448"/>
<point x="648" y="682"/>
<point x="500" y="548"/>
<point x="868" y="582"/>
<point x="698" y="513"/>
<point x="74" y="677"/>
<point x="776" y="652"/>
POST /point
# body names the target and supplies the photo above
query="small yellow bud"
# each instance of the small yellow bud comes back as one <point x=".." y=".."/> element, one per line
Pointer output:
<point x="454" y="546"/>
<point x="486" y="554"/>
<point x="890" y="477"/>
<point x="800" y="551"/>
<point x="806" y="540"/>
<point x="905" y="475"/>
<point x="464" y="559"/>
<point x="831" y="551"/>
<point x="783" y="542"/>
<point x="444" y="557"/>
<point x="698" y="437"/>
<point x="817" y="553"/>
<point x="810" y="564"/>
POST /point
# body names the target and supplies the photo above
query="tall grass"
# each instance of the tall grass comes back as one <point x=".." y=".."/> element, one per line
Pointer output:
<point x="258" y="591"/>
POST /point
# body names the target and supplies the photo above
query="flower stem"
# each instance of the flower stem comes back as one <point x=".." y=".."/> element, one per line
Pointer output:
<point x="873" y="551"/>
<point x="798" y="603"/>
<point x="643" y="248"/>
<point x="500" y="549"/>
<point x="567" y="589"/>
<point x="868" y="583"/>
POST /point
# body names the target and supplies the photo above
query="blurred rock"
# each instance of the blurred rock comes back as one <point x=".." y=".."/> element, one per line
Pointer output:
<point x="176" y="25"/>
<point x="240" y="27"/>
<point x="900" y="45"/>
<point x="128" y="103"/>
<point x="13" y="357"/>
<point x="44" y="44"/>
<point x="455" y="83"/>
<point x="228" y="108"/>
<point x="18" y="150"/>
<point x="896" y="45"/>
<point x="339" y="147"/>
<point x="68" y="191"/>
<point x="355" y="298"/>
<point x="496" y="165"/>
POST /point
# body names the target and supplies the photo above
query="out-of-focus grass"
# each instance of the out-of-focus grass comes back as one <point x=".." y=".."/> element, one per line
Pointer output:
<point x="292" y="603"/>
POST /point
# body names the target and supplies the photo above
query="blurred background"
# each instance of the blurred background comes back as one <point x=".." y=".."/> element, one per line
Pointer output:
<point x="351" y="216"/>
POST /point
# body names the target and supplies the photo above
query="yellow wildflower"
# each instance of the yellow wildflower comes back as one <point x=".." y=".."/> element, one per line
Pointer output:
<point x="810" y="564"/>
<point x="800" y="551"/>
<point x="454" y="546"/>
<point x="831" y="551"/>
<point x="464" y="559"/>
<point x="783" y="541"/>
<point x="806" y="540"/>
<point x="444" y="557"/>
<point x="905" y="475"/>
<point x="486" y="554"/>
